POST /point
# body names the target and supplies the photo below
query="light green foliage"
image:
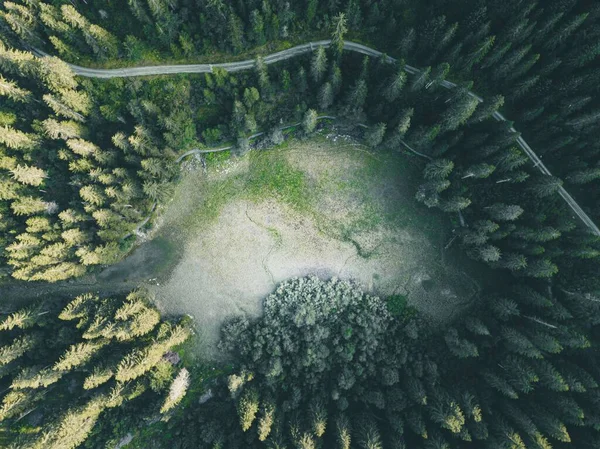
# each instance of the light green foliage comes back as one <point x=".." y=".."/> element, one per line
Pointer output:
<point x="21" y="319"/>
<point x="67" y="366"/>
<point x="77" y="355"/>
<point x="318" y="65"/>
<point x="16" y="349"/>
<point x="139" y="361"/>
<point x="248" y="408"/>
<point x="265" y="422"/>
<point x="98" y="377"/>
<point x="309" y="121"/>
<point x="177" y="390"/>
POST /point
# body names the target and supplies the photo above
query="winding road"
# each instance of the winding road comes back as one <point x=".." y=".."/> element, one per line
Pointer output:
<point x="300" y="50"/>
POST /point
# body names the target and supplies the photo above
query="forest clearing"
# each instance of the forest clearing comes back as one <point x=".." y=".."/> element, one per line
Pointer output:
<point x="242" y="229"/>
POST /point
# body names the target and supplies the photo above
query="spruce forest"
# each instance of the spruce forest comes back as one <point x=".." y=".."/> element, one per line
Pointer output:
<point x="308" y="224"/>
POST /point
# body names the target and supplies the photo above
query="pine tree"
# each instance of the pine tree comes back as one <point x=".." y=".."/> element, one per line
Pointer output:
<point x="318" y="418"/>
<point x="438" y="169"/>
<point x="17" y="140"/>
<point x="326" y="96"/>
<point x="565" y="31"/>
<point x="258" y="27"/>
<point x="584" y="176"/>
<point x="177" y="390"/>
<point x="343" y="435"/>
<point x="318" y="66"/>
<point x="22" y="21"/>
<point x="487" y="108"/>
<point x="375" y="134"/>
<point x="35" y="377"/>
<point x="545" y="186"/>
<point x="301" y="80"/>
<point x="21" y="319"/>
<point x="504" y="212"/>
<point x="309" y="122"/>
<point x="77" y="355"/>
<point x="247" y="408"/>
<point x="98" y="376"/>
<point x="461" y="348"/>
<point x="394" y="87"/>
<point x="92" y="194"/>
<point x="63" y="129"/>
<point x="28" y="205"/>
<point x="72" y="428"/>
<point x="16" y="402"/>
<point x="455" y="204"/>
<point x="28" y="175"/>
<point x="357" y="97"/>
<point x="263" y="76"/>
<point x="12" y="91"/>
<point x="337" y="38"/>
<point x="311" y="11"/>
<point x="17" y="348"/>
<point x="461" y="108"/>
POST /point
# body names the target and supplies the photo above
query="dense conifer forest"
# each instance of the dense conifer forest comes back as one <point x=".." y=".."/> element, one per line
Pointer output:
<point x="460" y="89"/>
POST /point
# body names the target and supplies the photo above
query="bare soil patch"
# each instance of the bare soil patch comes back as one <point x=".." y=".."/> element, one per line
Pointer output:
<point x="349" y="213"/>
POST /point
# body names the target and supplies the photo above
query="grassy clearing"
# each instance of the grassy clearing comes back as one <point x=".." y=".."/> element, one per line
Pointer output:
<point x="376" y="187"/>
<point x="326" y="206"/>
<point x="271" y="176"/>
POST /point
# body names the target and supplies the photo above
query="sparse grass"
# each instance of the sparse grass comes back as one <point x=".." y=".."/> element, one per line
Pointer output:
<point x="271" y="176"/>
<point x="366" y="178"/>
<point x="218" y="158"/>
<point x="215" y="196"/>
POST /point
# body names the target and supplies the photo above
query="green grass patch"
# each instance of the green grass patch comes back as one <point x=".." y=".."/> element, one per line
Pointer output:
<point x="271" y="176"/>
<point x="215" y="196"/>
<point x="218" y="158"/>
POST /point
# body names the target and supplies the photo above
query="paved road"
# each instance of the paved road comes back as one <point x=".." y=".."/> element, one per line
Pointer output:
<point x="308" y="48"/>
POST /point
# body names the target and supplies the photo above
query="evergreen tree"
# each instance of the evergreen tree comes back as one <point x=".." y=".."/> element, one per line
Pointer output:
<point x="326" y="96"/>
<point x="319" y="65"/>
<point x="309" y="122"/>
<point x="337" y="38"/>
<point x="375" y="135"/>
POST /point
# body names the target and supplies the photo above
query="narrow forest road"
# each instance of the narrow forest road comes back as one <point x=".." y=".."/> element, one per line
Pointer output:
<point x="308" y="48"/>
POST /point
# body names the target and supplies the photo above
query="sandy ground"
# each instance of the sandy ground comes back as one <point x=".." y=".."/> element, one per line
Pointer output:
<point x="229" y="264"/>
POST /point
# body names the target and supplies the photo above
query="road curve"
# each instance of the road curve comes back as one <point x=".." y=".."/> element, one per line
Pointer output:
<point x="300" y="50"/>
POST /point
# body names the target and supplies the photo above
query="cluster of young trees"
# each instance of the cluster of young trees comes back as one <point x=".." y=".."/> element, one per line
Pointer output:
<point x="61" y="369"/>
